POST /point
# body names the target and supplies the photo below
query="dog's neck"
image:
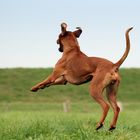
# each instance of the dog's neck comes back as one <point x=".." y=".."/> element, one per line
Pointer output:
<point x="71" y="46"/>
<point x="71" y="49"/>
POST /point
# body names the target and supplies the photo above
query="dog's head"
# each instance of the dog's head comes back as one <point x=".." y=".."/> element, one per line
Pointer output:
<point x="68" y="39"/>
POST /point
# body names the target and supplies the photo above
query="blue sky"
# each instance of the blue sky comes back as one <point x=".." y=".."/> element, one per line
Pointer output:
<point x="29" y="29"/>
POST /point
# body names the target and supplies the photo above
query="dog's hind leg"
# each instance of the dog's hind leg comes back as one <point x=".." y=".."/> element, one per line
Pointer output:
<point x="111" y="95"/>
<point x="96" y="89"/>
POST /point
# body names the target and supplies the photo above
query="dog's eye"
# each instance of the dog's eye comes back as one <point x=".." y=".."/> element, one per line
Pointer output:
<point x="112" y="74"/>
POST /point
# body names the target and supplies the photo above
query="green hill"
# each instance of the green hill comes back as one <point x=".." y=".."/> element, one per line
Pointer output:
<point x="15" y="86"/>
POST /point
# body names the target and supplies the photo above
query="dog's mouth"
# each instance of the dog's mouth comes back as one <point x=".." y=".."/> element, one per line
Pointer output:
<point x="60" y="48"/>
<point x="60" y="45"/>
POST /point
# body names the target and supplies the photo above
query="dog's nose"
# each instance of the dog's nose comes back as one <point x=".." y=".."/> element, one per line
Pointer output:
<point x="57" y="41"/>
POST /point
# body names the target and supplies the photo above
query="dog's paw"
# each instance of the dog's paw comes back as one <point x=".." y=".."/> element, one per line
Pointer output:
<point x="112" y="128"/>
<point x="99" y="125"/>
<point x="34" y="89"/>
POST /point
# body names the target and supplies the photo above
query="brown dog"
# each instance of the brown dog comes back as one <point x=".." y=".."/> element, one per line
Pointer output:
<point x="77" y="68"/>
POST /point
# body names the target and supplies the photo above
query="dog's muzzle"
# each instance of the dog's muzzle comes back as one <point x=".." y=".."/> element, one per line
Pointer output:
<point x="60" y="46"/>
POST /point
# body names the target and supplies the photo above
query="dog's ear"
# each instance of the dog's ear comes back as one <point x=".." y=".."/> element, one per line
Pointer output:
<point x="78" y="32"/>
<point x="63" y="28"/>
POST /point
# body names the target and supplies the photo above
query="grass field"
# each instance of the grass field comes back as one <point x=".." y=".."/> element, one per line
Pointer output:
<point x="28" y="121"/>
<point x="40" y="116"/>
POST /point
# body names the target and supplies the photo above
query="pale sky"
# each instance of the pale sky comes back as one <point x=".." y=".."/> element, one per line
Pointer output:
<point x="29" y="30"/>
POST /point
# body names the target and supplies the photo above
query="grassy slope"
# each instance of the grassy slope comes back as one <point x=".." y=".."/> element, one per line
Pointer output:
<point x="15" y="85"/>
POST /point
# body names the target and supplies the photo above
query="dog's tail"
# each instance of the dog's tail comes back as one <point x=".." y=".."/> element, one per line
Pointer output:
<point x="117" y="64"/>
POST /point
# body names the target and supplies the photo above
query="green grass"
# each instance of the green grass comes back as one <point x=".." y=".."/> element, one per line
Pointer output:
<point x="48" y="124"/>
<point x="39" y="116"/>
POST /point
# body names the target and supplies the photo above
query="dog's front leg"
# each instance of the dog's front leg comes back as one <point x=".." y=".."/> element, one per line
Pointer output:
<point x="54" y="78"/>
<point x="59" y="81"/>
<point x="43" y="84"/>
